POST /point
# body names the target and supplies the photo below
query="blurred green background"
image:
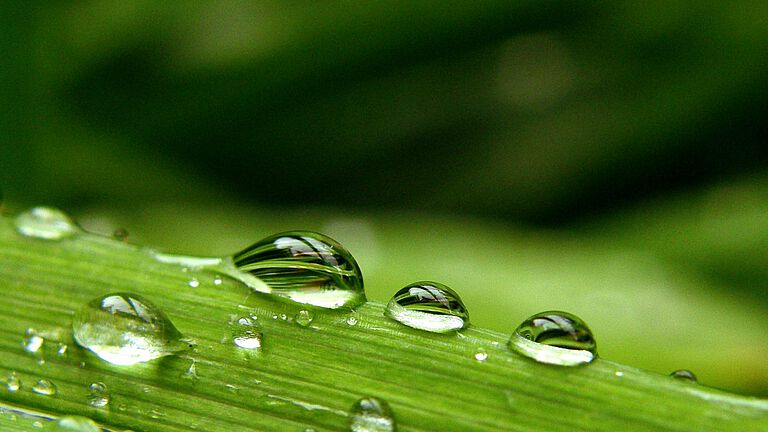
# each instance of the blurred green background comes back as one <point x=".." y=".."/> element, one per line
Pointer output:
<point x="605" y="158"/>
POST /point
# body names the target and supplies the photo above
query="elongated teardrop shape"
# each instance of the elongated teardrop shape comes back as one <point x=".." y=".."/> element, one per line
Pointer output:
<point x="429" y="306"/>
<point x="372" y="415"/>
<point x="125" y="329"/>
<point x="555" y="337"/>
<point x="684" y="374"/>
<point x="305" y="267"/>
<point x="45" y="223"/>
<point x="72" y="424"/>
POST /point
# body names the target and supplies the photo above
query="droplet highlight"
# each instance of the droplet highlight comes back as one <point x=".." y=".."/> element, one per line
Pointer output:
<point x="305" y="267"/>
<point x="45" y="387"/>
<point x="481" y="355"/>
<point x="126" y="329"/>
<point x="98" y="395"/>
<point x="32" y="341"/>
<point x="247" y="333"/>
<point x="372" y="415"/>
<point x="304" y="317"/>
<point x="555" y="337"/>
<point x="45" y="223"/>
<point x="72" y="424"/>
<point x="684" y="374"/>
<point x="12" y="382"/>
<point x="429" y="306"/>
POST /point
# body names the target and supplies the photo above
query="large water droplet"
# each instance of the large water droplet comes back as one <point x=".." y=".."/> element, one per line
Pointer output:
<point x="429" y="306"/>
<point x="304" y="318"/>
<point x="684" y="374"/>
<point x="45" y="387"/>
<point x="246" y="333"/>
<point x="99" y="396"/>
<point x="305" y="267"/>
<point x="372" y="415"/>
<point x="32" y="341"/>
<point x="45" y="223"/>
<point x="125" y="329"/>
<point x="72" y="424"/>
<point x="12" y="381"/>
<point x="555" y="337"/>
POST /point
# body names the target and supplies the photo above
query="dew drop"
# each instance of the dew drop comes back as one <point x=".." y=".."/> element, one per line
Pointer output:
<point x="12" y="382"/>
<point x="684" y="374"/>
<point x="61" y="350"/>
<point x="246" y="333"/>
<point x="191" y="372"/>
<point x="429" y="306"/>
<point x="32" y="341"/>
<point x="305" y="267"/>
<point x="193" y="283"/>
<point x="72" y="424"/>
<point x="99" y="396"/>
<point x="45" y="387"/>
<point x="371" y="415"/>
<point x="217" y="280"/>
<point x="352" y="319"/>
<point x="45" y="223"/>
<point x="125" y="329"/>
<point x="304" y="318"/>
<point x="555" y="337"/>
<point x="481" y="355"/>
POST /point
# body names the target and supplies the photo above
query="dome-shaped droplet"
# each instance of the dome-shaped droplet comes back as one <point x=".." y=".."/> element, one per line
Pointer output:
<point x="304" y="317"/>
<point x="99" y="396"/>
<point x="305" y="267"/>
<point x="72" y="424"/>
<point x="45" y="387"/>
<point x="429" y="306"/>
<point x="372" y="415"/>
<point x="12" y="381"/>
<point x="125" y="329"/>
<point x="246" y="333"/>
<point x="45" y="223"/>
<point x="555" y="337"/>
<point x="684" y="374"/>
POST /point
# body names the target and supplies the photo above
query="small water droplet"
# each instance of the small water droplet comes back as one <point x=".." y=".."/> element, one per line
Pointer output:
<point x="62" y="349"/>
<point x="217" y="280"/>
<point x="246" y="333"/>
<point x="555" y="337"/>
<point x="37" y="424"/>
<point x="619" y="373"/>
<point x="304" y="318"/>
<point x="99" y="396"/>
<point x="45" y="223"/>
<point x="32" y="341"/>
<point x="191" y="372"/>
<point x="305" y="267"/>
<point x="684" y="374"/>
<point x="44" y="387"/>
<point x="12" y="382"/>
<point x="352" y="319"/>
<point x="194" y="283"/>
<point x="72" y="424"/>
<point x="481" y="355"/>
<point x="372" y="415"/>
<point x="429" y="306"/>
<point x="125" y="329"/>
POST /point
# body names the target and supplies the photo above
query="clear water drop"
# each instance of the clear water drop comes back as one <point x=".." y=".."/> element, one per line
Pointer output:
<point x="32" y="341"/>
<point x="45" y="223"/>
<point x="372" y="415"/>
<point x="61" y="349"/>
<point x="193" y="283"/>
<point x="684" y="374"/>
<point x="555" y="337"/>
<point x="304" y="318"/>
<point x="45" y="387"/>
<point x="217" y="280"/>
<point x="125" y="329"/>
<point x="12" y="382"/>
<point x="72" y="424"/>
<point x="429" y="306"/>
<point x="246" y="333"/>
<point x="352" y="319"/>
<point x="305" y="267"/>
<point x="481" y="355"/>
<point x="37" y="424"/>
<point x="98" y="396"/>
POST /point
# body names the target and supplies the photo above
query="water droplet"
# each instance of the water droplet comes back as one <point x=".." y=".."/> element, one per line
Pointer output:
<point x="217" y="280"/>
<point x="120" y="234"/>
<point x="481" y="355"/>
<point x="99" y="395"/>
<point x="684" y="374"/>
<point x="62" y="349"/>
<point x="619" y="374"/>
<point x="45" y="223"/>
<point x="246" y="333"/>
<point x="353" y="319"/>
<point x="125" y="329"/>
<point x="37" y="424"/>
<point x="304" y="318"/>
<point x="372" y="415"/>
<point x="305" y="267"/>
<point x="32" y="341"/>
<point x="429" y="306"/>
<point x="72" y="424"/>
<point x="191" y="372"/>
<point x="555" y="337"/>
<point x="156" y="413"/>
<point x="194" y="283"/>
<point x="44" y="387"/>
<point x="12" y="381"/>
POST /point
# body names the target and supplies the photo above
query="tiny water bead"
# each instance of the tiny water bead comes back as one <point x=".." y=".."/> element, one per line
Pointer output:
<point x="429" y="306"/>
<point x="45" y="223"/>
<point x="555" y="337"/>
<point x="304" y="318"/>
<point x="125" y="329"/>
<point x="246" y="333"/>
<point x="193" y="283"/>
<point x="32" y="341"/>
<point x="98" y="396"/>
<point x="12" y="382"/>
<point x="481" y="355"/>
<point x="45" y="387"/>
<point x="72" y="424"/>
<point x="372" y="415"/>
<point x="684" y="374"/>
<point x="305" y="267"/>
